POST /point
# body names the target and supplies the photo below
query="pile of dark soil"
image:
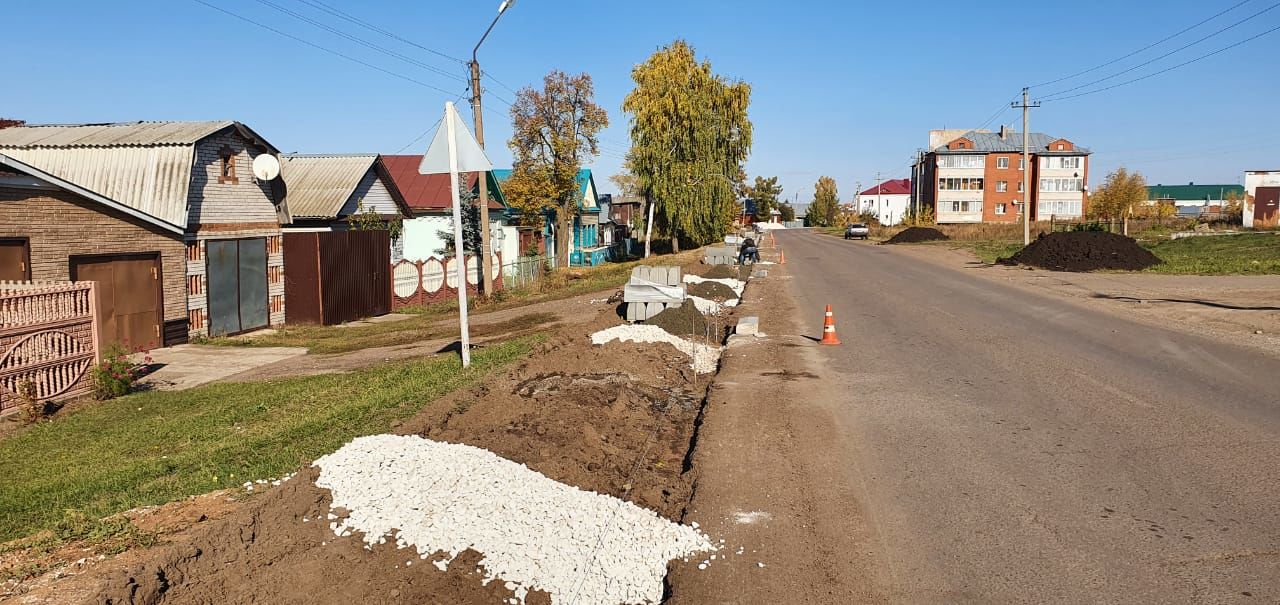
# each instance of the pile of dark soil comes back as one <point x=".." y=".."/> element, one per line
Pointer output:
<point x="913" y="235"/>
<point x="685" y="320"/>
<point x="712" y="291"/>
<point x="1084" y="251"/>
<point x="722" y="272"/>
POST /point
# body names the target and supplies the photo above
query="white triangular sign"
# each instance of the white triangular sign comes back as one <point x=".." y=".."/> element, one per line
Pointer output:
<point x="471" y="157"/>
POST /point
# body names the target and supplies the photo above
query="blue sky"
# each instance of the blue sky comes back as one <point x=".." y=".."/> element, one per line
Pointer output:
<point x="844" y="89"/>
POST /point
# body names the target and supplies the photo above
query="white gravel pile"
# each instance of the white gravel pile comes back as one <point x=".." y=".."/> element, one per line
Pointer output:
<point x="535" y="533"/>
<point x="704" y="358"/>
<point x="734" y="284"/>
<point x="710" y="307"/>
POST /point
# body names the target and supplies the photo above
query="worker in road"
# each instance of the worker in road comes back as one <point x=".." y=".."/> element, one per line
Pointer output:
<point x="748" y="250"/>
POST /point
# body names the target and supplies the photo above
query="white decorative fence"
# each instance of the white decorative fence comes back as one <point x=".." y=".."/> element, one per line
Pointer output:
<point x="48" y="340"/>
<point x="433" y="280"/>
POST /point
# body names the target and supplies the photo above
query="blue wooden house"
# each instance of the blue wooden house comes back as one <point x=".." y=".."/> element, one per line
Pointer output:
<point x="587" y="248"/>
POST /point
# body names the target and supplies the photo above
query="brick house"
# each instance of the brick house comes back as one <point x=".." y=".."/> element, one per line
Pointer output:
<point x="167" y="217"/>
<point x="977" y="177"/>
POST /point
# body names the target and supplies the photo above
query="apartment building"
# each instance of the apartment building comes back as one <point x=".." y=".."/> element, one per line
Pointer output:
<point x="977" y="177"/>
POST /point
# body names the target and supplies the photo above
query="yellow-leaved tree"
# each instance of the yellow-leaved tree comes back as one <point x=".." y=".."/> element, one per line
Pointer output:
<point x="1119" y="195"/>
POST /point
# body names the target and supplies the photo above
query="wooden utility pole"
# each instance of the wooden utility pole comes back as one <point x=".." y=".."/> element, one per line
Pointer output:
<point x="486" y="256"/>
<point x="1026" y="164"/>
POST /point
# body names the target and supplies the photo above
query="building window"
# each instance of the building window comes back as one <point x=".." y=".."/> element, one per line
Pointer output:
<point x="1000" y="208"/>
<point x="960" y="184"/>
<point x="961" y="206"/>
<point x="1002" y="186"/>
<point x="1002" y="163"/>
<point x="1061" y="147"/>
<point x="961" y="161"/>
<point x="1062" y="163"/>
<point x="1022" y="164"/>
<point x="1061" y="185"/>
<point x="1019" y="186"/>
<point x="227" y="167"/>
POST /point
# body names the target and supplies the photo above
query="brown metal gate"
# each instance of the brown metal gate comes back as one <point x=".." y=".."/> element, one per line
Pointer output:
<point x="130" y="298"/>
<point x="333" y="277"/>
<point x="1266" y="207"/>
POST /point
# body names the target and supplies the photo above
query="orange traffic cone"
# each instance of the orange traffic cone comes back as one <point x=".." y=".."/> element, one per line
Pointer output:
<point x="772" y="242"/>
<point x="829" y="329"/>
<point x="782" y="256"/>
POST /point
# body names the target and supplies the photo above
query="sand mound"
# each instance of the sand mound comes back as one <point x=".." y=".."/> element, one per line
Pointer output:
<point x="1084" y="251"/>
<point x="912" y="235"/>
<point x="711" y="290"/>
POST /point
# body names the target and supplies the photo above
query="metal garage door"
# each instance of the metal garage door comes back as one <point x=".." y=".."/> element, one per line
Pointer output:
<point x="237" y="285"/>
<point x="15" y="260"/>
<point x="130" y="298"/>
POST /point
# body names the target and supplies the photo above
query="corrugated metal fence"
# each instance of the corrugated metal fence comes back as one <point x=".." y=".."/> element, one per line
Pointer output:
<point x="48" y="340"/>
<point x="333" y="277"/>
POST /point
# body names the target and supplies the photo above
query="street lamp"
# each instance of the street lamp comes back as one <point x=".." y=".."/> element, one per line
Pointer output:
<point x="477" y="110"/>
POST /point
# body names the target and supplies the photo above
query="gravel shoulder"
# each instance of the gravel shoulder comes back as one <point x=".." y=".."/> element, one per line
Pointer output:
<point x="764" y="476"/>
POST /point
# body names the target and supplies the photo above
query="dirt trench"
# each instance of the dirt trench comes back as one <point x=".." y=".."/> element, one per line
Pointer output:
<point x="618" y="419"/>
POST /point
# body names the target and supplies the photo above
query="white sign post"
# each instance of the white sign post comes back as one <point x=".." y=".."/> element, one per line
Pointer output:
<point x="454" y="149"/>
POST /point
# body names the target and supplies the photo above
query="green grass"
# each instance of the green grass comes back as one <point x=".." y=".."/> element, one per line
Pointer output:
<point x="990" y="251"/>
<point x="560" y="284"/>
<point x="1245" y="254"/>
<point x="156" y="447"/>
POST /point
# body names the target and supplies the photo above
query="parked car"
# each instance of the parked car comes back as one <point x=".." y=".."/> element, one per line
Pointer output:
<point x="857" y="230"/>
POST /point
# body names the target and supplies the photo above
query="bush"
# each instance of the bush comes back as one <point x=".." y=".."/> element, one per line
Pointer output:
<point x="116" y="373"/>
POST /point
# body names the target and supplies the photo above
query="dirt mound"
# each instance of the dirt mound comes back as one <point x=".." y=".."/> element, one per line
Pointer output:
<point x="616" y="420"/>
<point x="913" y="235"/>
<point x="712" y="291"/>
<point x="1084" y="251"/>
<point x="684" y="320"/>
<point x="721" y="272"/>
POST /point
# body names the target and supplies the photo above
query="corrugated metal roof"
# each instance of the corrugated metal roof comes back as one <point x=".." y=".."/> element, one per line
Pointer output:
<point x="1193" y="192"/>
<point x="110" y="135"/>
<point x="992" y="142"/>
<point x="890" y="187"/>
<point x="318" y="185"/>
<point x="430" y="192"/>
<point x="153" y="180"/>
<point x="143" y="165"/>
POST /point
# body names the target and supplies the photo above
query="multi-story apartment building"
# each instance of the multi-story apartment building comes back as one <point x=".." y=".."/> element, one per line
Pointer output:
<point x="976" y="177"/>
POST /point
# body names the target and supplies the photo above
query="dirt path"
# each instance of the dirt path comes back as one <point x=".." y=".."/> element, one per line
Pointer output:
<point x="765" y="482"/>
<point x="486" y="327"/>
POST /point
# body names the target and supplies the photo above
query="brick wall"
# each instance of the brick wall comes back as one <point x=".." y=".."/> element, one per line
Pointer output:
<point x="60" y="224"/>
<point x="991" y="191"/>
<point x="229" y="210"/>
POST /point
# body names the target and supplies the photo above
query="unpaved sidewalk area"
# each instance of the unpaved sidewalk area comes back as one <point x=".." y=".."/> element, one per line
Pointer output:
<point x="765" y="481"/>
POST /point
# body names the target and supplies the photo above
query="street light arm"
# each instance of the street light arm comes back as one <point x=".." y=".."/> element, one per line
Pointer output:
<point x="476" y="50"/>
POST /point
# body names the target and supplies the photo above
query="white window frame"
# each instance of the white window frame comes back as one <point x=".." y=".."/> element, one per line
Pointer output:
<point x="1002" y="186"/>
<point x="1002" y="163"/>
<point x="1000" y="208"/>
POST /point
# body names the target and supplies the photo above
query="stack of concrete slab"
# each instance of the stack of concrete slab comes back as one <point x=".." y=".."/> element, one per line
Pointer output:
<point x="651" y="290"/>
<point x="720" y="255"/>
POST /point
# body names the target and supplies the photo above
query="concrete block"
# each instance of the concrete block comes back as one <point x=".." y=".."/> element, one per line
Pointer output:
<point x="748" y="326"/>
<point x="654" y="308"/>
<point x="760" y="273"/>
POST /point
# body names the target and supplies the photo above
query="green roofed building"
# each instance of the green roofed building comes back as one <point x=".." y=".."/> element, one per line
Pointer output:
<point x="1192" y="194"/>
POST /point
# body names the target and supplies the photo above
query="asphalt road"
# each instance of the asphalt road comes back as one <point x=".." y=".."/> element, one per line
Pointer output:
<point x="1012" y="447"/>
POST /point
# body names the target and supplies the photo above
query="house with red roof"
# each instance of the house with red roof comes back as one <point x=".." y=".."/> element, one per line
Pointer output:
<point x="431" y="201"/>
<point x="888" y="201"/>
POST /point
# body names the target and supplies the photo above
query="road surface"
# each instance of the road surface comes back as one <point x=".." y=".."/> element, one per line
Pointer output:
<point x="1007" y="446"/>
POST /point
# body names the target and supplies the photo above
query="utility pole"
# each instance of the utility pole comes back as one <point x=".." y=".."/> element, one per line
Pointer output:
<point x="879" y="209"/>
<point x="1026" y="164"/>
<point x="486" y="254"/>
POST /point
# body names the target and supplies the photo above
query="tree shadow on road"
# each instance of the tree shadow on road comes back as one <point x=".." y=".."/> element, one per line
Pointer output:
<point x="1206" y="303"/>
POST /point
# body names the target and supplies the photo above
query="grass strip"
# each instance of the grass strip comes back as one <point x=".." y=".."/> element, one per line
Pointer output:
<point x="155" y="447"/>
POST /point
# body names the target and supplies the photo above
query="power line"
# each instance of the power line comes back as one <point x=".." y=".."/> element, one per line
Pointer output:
<point x="1174" y="51"/>
<point x="1144" y="48"/>
<point x="428" y="130"/>
<point x="325" y="49"/>
<point x="499" y="83"/>
<point x="382" y="49"/>
<point x="1167" y="69"/>
<point x="317" y="4"/>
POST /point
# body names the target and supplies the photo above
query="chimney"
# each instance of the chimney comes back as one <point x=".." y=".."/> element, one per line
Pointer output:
<point x="1004" y="132"/>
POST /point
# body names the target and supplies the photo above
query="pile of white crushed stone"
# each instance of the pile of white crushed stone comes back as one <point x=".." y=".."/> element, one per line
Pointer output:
<point x="734" y="284"/>
<point x="534" y="533"/>
<point x="710" y="307"/>
<point x="705" y="358"/>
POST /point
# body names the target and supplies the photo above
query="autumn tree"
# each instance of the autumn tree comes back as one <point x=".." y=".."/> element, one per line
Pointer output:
<point x="1116" y="198"/>
<point x="788" y="212"/>
<point x="554" y="132"/>
<point x="826" y="203"/>
<point x="10" y="122"/>
<point x="765" y="193"/>
<point x="627" y="182"/>
<point x="689" y="138"/>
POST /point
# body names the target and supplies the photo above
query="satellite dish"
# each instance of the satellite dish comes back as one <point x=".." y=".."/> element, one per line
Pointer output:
<point x="266" y="167"/>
